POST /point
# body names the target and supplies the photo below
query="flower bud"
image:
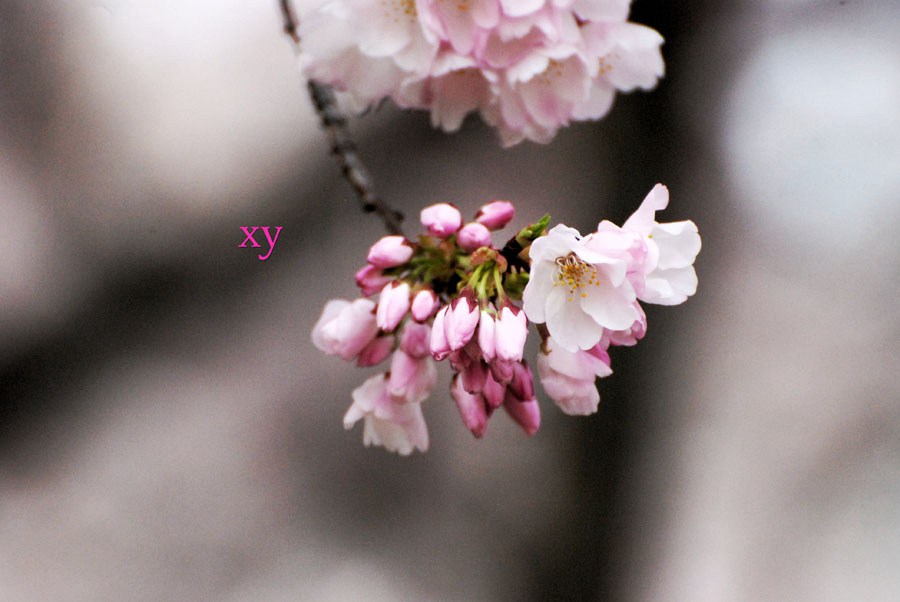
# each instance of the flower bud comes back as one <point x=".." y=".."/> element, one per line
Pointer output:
<point x="496" y="214"/>
<point x="424" y="304"/>
<point x="473" y="236"/>
<point x="375" y="352"/>
<point x="440" y="348"/>
<point x="392" y="305"/>
<point x="441" y="220"/>
<point x="371" y="280"/>
<point x="526" y="413"/>
<point x="461" y="320"/>
<point x="345" y="328"/>
<point x="471" y="408"/>
<point x="494" y="393"/>
<point x="486" y="335"/>
<point x="389" y="252"/>
<point x="415" y="339"/>
<point x="510" y="333"/>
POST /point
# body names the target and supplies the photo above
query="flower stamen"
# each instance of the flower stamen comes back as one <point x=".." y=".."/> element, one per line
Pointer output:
<point x="575" y="274"/>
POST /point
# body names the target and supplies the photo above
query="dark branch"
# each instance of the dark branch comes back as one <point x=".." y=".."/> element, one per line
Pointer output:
<point x="342" y="146"/>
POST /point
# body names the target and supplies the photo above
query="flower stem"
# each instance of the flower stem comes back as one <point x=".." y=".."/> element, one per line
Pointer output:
<point x="342" y="145"/>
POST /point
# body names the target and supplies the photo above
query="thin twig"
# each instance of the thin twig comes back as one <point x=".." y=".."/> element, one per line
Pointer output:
<point x="342" y="146"/>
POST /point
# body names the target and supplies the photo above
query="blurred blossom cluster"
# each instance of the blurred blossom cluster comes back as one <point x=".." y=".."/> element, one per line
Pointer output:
<point x="528" y="67"/>
<point x="452" y="294"/>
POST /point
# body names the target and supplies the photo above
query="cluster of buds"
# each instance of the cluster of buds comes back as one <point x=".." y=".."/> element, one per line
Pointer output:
<point x="452" y="295"/>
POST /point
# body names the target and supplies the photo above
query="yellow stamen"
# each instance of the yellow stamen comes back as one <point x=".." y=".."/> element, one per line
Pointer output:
<point x="574" y="273"/>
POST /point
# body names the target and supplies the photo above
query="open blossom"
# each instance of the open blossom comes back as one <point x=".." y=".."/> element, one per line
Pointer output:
<point x="578" y="291"/>
<point x="398" y="426"/>
<point x="568" y="377"/>
<point x="527" y="67"/>
<point x="669" y="276"/>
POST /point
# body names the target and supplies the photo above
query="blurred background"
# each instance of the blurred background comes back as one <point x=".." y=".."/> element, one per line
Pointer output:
<point x="168" y="431"/>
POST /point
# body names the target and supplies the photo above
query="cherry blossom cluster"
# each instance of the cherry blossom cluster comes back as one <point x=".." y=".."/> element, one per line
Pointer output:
<point x="452" y="295"/>
<point x="528" y="67"/>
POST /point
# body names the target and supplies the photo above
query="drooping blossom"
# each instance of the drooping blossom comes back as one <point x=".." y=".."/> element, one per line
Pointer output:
<point x="398" y="426"/>
<point x="568" y="377"/>
<point x="528" y="67"/>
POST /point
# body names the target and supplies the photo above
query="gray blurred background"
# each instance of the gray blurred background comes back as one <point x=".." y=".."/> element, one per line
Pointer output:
<point x="168" y="431"/>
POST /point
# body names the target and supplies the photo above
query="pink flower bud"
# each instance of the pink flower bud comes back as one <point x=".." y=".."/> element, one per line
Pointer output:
<point x="496" y="214"/>
<point x="471" y="408"/>
<point x="345" y="328"/>
<point x="415" y="338"/>
<point x="392" y="305"/>
<point x="441" y="220"/>
<point x="473" y="376"/>
<point x="511" y="331"/>
<point x="389" y="252"/>
<point x="522" y="384"/>
<point x="494" y="393"/>
<point x="461" y="320"/>
<point x="424" y="304"/>
<point x="473" y="236"/>
<point x="526" y="413"/>
<point x="486" y="335"/>
<point x="411" y="380"/>
<point x="371" y="280"/>
<point x="375" y="352"/>
<point x="440" y="348"/>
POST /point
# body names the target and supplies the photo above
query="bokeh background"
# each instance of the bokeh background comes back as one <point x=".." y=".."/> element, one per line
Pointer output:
<point x="168" y="431"/>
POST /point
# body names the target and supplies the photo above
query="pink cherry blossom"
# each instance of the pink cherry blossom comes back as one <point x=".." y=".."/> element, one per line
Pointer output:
<point x="392" y="305"/>
<point x="441" y="220"/>
<point x="345" y="328"/>
<point x="390" y="251"/>
<point x="576" y="289"/>
<point x="527" y="67"/>
<point x="568" y="377"/>
<point x="672" y="247"/>
<point x="398" y="426"/>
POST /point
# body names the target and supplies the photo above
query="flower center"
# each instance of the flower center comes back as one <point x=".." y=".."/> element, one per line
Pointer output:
<point x="575" y="274"/>
<point x="400" y="8"/>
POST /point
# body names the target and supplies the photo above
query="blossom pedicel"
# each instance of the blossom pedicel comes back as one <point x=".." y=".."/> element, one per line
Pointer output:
<point x="439" y="298"/>
<point x="527" y="67"/>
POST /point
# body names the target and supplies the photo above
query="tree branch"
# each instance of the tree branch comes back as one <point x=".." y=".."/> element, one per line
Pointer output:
<point x="342" y="145"/>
